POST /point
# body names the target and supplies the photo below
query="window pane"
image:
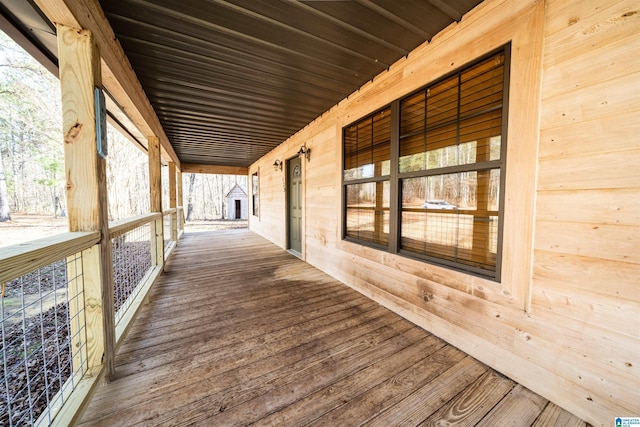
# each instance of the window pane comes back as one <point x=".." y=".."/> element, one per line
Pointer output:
<point x="484" y="132"/>
<point x="368" y="212"/>
<point x="442" y="102"/>
<point x="462" y="126"/>
<point x="449" y="217"/>
<point x="481" y="86"/>
<point x="495" y="147"/>
<point x="350" y="138"/>
<point x="367" y="147"/>
<point x="412" y="153"/>
<point x="412" y="114"/>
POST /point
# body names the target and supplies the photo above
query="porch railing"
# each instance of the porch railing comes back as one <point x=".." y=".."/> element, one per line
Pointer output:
<point x="47" y="320"/>
<point x="169" y="224"/>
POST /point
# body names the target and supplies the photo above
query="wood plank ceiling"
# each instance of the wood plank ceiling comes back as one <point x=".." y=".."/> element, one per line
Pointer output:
<point x="230" y="80"/>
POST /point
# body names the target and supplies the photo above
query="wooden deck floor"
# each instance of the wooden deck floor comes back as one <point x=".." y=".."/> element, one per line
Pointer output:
<point x="240" y="332"/>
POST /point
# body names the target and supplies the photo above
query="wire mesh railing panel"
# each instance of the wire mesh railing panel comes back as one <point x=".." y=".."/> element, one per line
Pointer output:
<point x="42" y="314"/>
<point x="131" y="263"/>
<point x="180" y="220"/>
<point x="166" y="224"/>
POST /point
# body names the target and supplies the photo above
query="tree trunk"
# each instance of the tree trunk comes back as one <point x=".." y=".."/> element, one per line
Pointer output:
<point x="5" y="213"/>
<point x="192" y="180"/>
<point x="221" y="196"/>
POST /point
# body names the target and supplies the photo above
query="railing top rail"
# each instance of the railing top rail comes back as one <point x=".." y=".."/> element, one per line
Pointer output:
<point x="18" y="260"/>
<point x="118" y="228"/>
<point x="169" y="211"/>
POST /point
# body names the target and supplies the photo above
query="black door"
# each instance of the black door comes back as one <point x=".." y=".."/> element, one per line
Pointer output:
<point x="238" y="209"/>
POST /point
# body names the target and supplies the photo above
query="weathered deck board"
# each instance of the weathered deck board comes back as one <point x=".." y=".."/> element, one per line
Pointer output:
<point x="239" y="332"/>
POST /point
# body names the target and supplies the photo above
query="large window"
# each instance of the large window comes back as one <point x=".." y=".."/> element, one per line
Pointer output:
<point x="422" y="177"/>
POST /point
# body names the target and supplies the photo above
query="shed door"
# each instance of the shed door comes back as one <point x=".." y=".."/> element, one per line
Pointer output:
<point x="294" y="171"/>
<point x="238" y="209"/>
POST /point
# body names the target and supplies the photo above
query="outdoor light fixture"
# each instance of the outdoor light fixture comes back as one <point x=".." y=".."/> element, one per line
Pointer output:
<point x="304" y="152"/>
<point x="277" y="164"/>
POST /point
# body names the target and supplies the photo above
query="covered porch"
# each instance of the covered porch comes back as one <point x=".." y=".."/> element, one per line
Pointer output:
<point x="238" y="331"/>
<point x="326" y="108"/>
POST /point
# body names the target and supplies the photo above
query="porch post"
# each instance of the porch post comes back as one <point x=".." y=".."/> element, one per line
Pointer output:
<point x="86" y="191"/>
<point x="172" y="201"/>
<point x="155" y="194"/>
<point x="180" y="202"/>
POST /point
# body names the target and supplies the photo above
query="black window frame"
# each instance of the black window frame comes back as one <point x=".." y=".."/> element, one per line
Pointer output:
<point x="255" y="194"/>
<point x="374" y="179"/>
<point x="395" y="177"/>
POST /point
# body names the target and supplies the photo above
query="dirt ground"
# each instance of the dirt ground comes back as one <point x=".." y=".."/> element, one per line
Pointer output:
<point x="24" y="227"/>
<point x="214" y="225"/>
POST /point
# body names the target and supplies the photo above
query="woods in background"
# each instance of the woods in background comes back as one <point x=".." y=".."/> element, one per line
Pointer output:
<point x="204" y="195"/>
<point x="32" y="157"/>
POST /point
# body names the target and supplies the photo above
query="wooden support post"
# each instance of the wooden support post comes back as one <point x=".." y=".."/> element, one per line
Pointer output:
<point x="155" y="194"/>
<point x="172" y="201"/>
<point x="87" y="206"/>
<point x="180" y="201"/>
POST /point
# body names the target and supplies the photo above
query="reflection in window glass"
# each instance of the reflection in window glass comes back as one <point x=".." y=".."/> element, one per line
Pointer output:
<point x="367" y="211"/>
<point x="367" y="147"/>
<point x="452" y="216"/>
<point x="447" y="170"/>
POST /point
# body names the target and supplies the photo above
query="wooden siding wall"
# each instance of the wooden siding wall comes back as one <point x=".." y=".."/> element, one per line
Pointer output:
<point x="564" y="321"/>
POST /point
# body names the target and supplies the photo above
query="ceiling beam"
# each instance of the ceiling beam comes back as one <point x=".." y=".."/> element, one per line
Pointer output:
<point x="214" y="169"/>
<point x="118" y="77"/>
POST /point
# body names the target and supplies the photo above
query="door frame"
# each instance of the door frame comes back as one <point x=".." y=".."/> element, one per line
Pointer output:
<point x="238" y="206"/>
<point x="302" y="254"/>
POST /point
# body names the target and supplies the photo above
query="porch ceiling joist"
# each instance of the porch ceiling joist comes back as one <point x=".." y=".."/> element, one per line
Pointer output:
<point x="223" y="82"/>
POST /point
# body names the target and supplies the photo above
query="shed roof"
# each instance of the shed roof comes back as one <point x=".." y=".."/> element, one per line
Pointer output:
<point x="234" y="189"/>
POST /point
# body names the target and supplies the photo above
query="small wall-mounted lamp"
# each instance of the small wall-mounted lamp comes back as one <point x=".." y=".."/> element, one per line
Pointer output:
<point x="277" y="165"/>
<point x="304" y="152"/>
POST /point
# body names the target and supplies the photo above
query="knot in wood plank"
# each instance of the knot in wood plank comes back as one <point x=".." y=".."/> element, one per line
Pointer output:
<point x="72" y="134"/>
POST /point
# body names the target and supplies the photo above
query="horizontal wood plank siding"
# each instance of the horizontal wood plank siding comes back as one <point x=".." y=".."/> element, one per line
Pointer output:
<point x="587" y="240"/>
<point x="561" y="322"/>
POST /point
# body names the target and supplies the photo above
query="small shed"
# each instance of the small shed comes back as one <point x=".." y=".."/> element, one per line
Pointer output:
<point x="237" y="204"/>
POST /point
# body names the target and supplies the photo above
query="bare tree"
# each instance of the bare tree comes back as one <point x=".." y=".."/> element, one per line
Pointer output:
<point x="5" y="213"/>
<point x="192" y="180"/>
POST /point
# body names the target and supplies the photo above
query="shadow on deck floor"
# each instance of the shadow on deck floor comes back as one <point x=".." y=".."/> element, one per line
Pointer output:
<point x="240" y="332"/>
